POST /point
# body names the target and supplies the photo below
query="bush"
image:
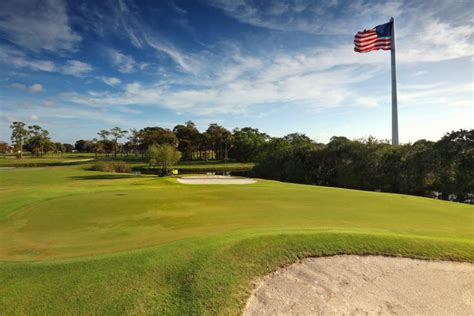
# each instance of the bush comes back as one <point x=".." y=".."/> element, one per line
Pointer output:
<point x="163" y="156"/>
<point x="121" y="167"/>
<point x="112" y="166"/>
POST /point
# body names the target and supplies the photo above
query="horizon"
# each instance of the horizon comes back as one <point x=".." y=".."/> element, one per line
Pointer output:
<point x="75" y="68"/>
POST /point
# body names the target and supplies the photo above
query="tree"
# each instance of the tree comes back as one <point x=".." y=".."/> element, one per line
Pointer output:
<point x="271" y="159"/>
<point x="98" y="147"/>
<point x="188" y="137"/>
<point x="134" y="140"/>
<point x="218" y="139"/>
<point x="163" y="156"/>
<point x="299" y="140"/>
<point x="38" y="141"/>
<point x="454" y="173"/>
<point x="104" y="134"/>
<point x="420" y="167"/>
<point x="19" y="136"/>
<point x="117" y="133"/>
<point x="200" y="142"/>
<point x="84" y="146"/>
<point x="156" y="135"/>
<point x="4" y="147"/>
<point x="246" y="143"/>
<point x="69" y="148"/>
<point x="59" y="147"/>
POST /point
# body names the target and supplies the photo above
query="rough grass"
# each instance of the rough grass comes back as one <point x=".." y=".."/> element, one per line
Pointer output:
<point x="136" y="162"/>
<point x="82" y="242"/>
<point x="46" y="160"/>
<point x="112" y="166"/>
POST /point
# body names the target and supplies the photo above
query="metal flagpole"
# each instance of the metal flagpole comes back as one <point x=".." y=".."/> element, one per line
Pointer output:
<point x="394" y="87"/>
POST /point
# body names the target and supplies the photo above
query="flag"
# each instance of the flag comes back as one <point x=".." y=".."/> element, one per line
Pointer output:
<point x="376" y="38"/>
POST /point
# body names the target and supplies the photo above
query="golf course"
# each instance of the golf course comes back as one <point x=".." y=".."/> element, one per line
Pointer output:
<point x="76" y="241"/>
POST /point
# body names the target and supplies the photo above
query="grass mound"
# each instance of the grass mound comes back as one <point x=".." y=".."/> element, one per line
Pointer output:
<point x="200" y="276"/>
<point x="111" y="166"/>
<point x="76" y="241"/>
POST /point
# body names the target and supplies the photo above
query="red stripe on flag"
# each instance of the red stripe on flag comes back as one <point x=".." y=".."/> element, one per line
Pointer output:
<point x="377" y="42"/>
<point x="362" y="36"/>
<point x="368" y="40"/>
<point x="372" y="48"/>
<point x="365" y="38"/>
<point x="371" y="39"/>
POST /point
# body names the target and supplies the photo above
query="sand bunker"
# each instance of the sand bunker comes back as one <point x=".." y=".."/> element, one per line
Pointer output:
<point x="77" y="160"/>
<point x="215" y="180"/>
<point x="366" y="285"/>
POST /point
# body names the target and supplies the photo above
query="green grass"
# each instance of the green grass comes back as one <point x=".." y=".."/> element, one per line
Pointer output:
<point x="46" y="160"/>
<point x="139" y="163"/>
<point x="136" y="162"/>
<point x="75" y="241"/>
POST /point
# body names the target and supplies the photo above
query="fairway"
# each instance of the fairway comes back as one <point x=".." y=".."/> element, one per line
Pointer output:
<point x="85" y="241"/>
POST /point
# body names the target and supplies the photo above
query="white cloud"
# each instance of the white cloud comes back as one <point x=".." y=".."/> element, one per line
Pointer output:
<point x="312" y="88"/>
<point x="434" y="40"/>
<point x="426" y="31"/>
<point x="62" y="114"/>
<point x="455" y="95"/>
<point x="48" y="104"/>
<point x="124" y="63"/>
<point x="127" y="21"/>
<point x="34" y="88"/>
<point x="76" y="68"/>
<point x="316" y="78"/>
<point x="314" y="17"/>
<point x="37" y="25"/>
<point x="111" y="81"/>
<point x="16" y="58"/>
<point x="123" y="19"/>
<point x="186" y="63"/>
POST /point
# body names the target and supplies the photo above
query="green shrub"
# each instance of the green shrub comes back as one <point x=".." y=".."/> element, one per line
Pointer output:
<point x="101" y="166"/>
<point x="121" y="167"/>
<point x="112" y="166"/>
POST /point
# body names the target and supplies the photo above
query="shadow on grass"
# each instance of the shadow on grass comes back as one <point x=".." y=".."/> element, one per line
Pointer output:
<point x="104" y="177"/>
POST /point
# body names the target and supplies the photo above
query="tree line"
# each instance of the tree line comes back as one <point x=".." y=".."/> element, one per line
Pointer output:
<point x="216" y="142"/>
<point x="33" y="139"/>
<point x="444" y="168"/>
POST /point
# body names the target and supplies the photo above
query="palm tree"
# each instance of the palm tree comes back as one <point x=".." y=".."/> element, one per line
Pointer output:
<point x="19" y="135"/>
<point x="117" y="133"/>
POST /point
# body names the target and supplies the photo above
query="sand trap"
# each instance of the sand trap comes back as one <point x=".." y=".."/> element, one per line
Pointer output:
<point x="366" y="285"/>
<point x="215" y="180"/>
<point x="77" y="160"/>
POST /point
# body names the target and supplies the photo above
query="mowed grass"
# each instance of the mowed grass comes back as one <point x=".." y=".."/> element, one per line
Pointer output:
<point x="76" y="241"/>
<point x="49" y="159"/>
<point x="136" y="162"/>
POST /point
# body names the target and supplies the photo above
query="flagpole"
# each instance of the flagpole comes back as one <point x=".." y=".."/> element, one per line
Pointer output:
<point x="394" y="87"/>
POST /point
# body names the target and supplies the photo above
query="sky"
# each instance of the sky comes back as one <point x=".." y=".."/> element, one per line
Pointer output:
<point x="76" y="67"/>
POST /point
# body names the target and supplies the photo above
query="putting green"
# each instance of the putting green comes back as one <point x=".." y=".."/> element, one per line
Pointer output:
<point x="89" y="242"/>
<point x="92" y="223"/>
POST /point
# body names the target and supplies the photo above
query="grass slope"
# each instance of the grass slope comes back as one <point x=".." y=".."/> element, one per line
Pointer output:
<point x="46" y="160"/>
<point x="78" y="241"/>
<point x="136" y="162"/>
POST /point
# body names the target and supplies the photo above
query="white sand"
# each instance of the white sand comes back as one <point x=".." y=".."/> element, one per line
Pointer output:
<point x="355" y="285"/>
<point x="77" y="160"/>
<point x="215" y="180"/>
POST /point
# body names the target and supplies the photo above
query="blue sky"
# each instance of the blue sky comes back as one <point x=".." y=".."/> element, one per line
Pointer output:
<point x="76" y="67"/>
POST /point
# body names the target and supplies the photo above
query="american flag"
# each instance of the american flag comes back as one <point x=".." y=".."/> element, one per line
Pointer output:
<point x="376" y="38"/>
